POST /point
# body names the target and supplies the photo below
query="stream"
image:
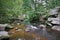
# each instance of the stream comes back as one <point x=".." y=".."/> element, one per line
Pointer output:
<point x="50" y="35"/>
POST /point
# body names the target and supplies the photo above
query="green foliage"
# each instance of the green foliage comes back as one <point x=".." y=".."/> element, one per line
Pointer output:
<point x="13" y="8"/>
<point x="9" y="9"/>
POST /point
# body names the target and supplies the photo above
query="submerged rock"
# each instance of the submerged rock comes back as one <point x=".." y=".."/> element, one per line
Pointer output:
<point x="41" y="27"/>
<point x="18" y="30"/>
<point x="19" y="39"/>
<point x="31" y="27"/>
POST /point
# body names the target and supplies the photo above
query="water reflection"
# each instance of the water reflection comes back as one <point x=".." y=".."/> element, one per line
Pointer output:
<point x="50" y="35"/>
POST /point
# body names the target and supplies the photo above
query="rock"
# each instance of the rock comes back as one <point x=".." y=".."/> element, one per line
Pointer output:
<point x="53" y="11"/>
<point x="18" y="29"/>
<point x="59" y="15"/>
<point x="3" y="34"/>
<point x="27" y="29"/>
<point x="56" y="28"/>
<point x="2" y="27"/>
<point x="19" y="39"/>
<point x="50" y="19"/>
<point x="33" y="27"/>
<point x="9" y="26"/>
<point x="30" y="27"/>
<point x="41" y="26"/>
<point x="54" y="20"/>
<point x="49" y="24"/>
<point x="18" y="23"/>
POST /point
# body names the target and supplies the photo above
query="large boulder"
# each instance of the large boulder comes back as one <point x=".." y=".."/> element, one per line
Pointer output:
<point x="3" y="34"/>
<point x="2" y="27"/>
<point x="56" y="28"/>
<point x="54" y="20"/>
<point x="53" y="11"/>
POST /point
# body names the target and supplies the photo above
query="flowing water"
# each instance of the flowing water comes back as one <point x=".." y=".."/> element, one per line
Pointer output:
<point x="50" y="35"/>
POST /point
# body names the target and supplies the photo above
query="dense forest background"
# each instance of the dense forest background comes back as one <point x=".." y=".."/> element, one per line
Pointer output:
<point x="25" y="9"/>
